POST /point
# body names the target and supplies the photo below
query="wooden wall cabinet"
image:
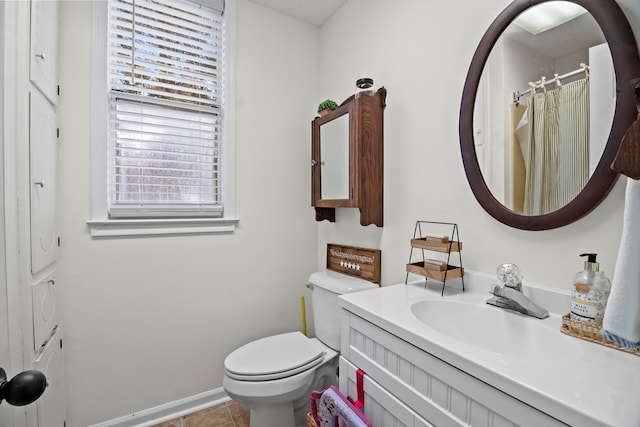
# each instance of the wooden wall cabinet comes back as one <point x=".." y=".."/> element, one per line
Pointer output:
<point x="347" y="153"/>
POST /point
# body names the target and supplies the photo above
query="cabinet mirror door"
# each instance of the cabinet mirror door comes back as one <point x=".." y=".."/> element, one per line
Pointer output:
<point x="331" y="158"/>
<point x="334" y="160"/>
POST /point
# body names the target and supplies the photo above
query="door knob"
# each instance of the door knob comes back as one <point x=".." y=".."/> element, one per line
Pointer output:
<point x="24" y="388"/>
<point x="39" y="183"/>
<point x="40" y="55"/>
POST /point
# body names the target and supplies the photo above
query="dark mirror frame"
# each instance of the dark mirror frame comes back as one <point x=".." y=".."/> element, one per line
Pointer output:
<point x="626" y="62"/>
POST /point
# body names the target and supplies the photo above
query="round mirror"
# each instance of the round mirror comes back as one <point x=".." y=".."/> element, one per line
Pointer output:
<point x="544" y="107"/>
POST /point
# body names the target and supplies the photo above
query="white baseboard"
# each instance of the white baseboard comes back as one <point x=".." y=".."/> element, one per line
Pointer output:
<point x="169" y="411"/>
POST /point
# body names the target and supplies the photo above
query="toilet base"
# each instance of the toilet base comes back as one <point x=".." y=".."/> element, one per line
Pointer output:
<point x="273" y="415"/>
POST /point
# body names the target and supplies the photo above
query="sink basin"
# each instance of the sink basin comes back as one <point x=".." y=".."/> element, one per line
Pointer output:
<point x="496" y="330"/>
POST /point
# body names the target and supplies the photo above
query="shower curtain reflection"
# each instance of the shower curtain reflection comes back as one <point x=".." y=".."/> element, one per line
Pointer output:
<point x="550" y="148"/>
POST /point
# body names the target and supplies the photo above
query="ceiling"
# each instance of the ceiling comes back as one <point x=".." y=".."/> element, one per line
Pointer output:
<point x="314" y="12"/>
<point x="573" y="36"/>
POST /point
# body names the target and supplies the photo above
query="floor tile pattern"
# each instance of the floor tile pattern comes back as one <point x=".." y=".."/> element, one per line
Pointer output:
<point x="228" y="414"/>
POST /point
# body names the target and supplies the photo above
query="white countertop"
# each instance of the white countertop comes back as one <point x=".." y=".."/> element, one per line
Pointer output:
<point x="593" y="386"/>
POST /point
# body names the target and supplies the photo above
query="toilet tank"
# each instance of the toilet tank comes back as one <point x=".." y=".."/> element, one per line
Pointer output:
<point x="327" y="285"/>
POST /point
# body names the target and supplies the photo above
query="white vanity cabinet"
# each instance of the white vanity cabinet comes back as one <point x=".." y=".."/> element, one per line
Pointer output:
<point x="420" y="389"/>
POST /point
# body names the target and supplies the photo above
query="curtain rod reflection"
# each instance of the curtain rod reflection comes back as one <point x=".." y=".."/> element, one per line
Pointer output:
<point x="584" y="68"/>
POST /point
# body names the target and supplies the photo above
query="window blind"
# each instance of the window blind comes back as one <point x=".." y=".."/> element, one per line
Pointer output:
<point x="165" y="132"/>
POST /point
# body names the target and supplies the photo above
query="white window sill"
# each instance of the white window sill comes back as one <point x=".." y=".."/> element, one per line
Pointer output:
<point x="139" y="227"/>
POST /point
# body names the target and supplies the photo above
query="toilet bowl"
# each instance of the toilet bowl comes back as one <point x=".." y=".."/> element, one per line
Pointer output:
<point x="274" y="376"/>
<point x="281" y="372"/>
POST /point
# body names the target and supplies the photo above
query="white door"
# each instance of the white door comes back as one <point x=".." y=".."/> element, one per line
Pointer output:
<point x="43" y="160"/>
<point x="45" y="317"/>
<point x="5" y="412"/>
<point x="44" y="47"/>
<point x="14" y="94"/>
<point x="50" y="406"/>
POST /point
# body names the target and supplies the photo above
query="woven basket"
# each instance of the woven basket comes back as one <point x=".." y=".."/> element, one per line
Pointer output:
<point x="310" y="421"/>
<point x="590" y="333"/>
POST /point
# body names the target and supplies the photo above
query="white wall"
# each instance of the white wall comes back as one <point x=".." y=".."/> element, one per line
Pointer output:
<point x="420" y="51"/>
<point x="149" y="320"/>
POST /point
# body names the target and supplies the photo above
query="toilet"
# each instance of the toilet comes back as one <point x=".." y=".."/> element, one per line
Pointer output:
<point x="274" y="376"/>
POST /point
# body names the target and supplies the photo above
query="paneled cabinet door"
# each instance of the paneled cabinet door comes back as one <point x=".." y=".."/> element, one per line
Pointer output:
<point x="380" y="406"/>
<point x="43" y="161"/>
<point x="51" y="405"/>
<point x="45" y="316"/>
<point x="44" y="47"/>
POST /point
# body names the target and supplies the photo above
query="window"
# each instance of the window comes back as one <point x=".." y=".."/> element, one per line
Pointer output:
<point x="164" y="152"/>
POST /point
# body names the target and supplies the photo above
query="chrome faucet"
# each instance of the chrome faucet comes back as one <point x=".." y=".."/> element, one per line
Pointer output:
<point x="510" y="295"/>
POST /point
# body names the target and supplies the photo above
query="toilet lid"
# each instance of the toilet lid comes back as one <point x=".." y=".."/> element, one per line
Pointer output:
<point x="274" y="357"/>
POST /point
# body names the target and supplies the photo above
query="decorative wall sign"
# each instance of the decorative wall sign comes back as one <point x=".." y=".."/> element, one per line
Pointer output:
<point x="354" y="261"/>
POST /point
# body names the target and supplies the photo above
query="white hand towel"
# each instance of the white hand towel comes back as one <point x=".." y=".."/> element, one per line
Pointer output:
<point x="622" y="315"/>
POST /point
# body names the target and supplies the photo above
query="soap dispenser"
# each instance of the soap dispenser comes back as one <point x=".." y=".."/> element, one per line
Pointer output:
<point x="590" y="293"/>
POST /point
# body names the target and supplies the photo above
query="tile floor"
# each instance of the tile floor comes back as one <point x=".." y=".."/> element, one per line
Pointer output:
<point x="228" y="414"/>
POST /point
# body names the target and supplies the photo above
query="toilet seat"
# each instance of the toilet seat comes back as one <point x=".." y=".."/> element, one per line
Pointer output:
<point x="274" y="357"/>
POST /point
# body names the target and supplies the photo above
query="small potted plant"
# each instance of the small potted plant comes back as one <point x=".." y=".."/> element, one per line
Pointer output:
<point x="325" y="106"/>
